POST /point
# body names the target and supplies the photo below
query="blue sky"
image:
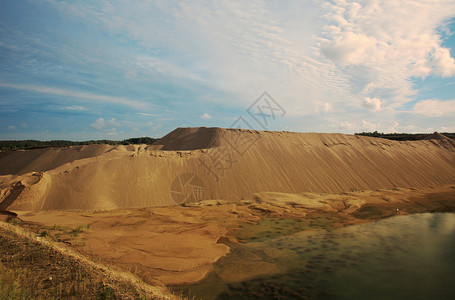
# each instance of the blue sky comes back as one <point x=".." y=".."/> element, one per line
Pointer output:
<point x="116" y="69"/>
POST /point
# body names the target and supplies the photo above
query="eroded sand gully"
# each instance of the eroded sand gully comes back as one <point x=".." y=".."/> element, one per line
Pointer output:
<point x="178" y="245"/>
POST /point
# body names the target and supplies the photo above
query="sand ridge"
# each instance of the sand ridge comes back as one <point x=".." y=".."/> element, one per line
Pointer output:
<point x="232" y="164"/>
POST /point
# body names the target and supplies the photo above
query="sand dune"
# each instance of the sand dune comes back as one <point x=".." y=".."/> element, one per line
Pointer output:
<point x="232" y="164"/>
<point x="190" y="139"/>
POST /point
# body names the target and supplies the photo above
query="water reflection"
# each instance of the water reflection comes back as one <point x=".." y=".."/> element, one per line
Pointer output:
<point x="442" y="223"/>
<point x="405" y="257"/>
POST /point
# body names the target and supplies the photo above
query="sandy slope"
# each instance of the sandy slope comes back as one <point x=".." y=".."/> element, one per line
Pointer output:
<point x="232" y="164"/>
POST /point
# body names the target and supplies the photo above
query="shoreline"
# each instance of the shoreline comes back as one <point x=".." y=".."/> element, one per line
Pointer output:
<point x="179" y="245"/>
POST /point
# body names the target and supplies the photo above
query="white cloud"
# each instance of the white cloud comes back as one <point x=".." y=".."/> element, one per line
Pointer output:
<point x="24" y="125"/>
<point x="373" y="104"/>
<point x="368" y="126"/>
<point x="232" y="47"/>
<point x="154" y="64"/>
<point x="112" y="131"/>
<point x="435" y="107"/>
<point x="155" y="128"/>
<point x="113" y="122"/>
<point x="12" y="127"/>
<point x="323" y="107"/>
<point x="376" y="125"/>
<point x="75" y="94"/>
<point x="131" y="74"/>
<point x="150" y="123"/>
<point x="379" y="48"/>
<point x="358" y="126"/>
<point x="147" y="115"/>
<point x="346" y="125"/>
<point x="76" y="108"/>
<point x="349" y="48"/>
<point x="98" y="124"/>
<point x="206" y="116"/>
<point x="441" y="63"/>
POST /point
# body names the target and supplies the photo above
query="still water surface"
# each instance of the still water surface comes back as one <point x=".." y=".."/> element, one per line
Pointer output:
<point x="403" y="257"/>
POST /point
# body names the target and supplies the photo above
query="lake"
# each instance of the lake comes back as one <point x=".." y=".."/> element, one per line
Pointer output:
<point x="402" y="257"/>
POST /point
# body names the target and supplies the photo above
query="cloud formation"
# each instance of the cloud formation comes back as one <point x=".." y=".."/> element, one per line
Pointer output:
<point x="358" y="49"/>
<point x="434" y="108"/>
<point x="113" y="122"/>
<point x="205" y="116"/>
<point x="76" y="108"/>
<point x="373" y="104"/>
<point x="383" y="45"/>
<point x="338" y="65"/>
<point x="98" y="124"/>
<point x="74" y="94"/>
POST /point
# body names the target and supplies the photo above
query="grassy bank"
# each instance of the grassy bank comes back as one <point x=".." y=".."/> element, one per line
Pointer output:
<point x="35" y="268"/>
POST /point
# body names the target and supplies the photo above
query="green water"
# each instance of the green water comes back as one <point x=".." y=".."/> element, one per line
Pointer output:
<point x="403" y="257"/>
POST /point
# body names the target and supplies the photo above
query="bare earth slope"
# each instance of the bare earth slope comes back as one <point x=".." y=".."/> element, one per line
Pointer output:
<point x="232" y="164"/>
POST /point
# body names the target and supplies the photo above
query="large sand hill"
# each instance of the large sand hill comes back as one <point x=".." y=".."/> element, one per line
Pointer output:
<point x="231" y="164"/>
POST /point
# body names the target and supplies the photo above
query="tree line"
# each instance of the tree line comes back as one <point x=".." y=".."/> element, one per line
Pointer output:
<point x="403" y="136"/>
<point x="35" y="144"/>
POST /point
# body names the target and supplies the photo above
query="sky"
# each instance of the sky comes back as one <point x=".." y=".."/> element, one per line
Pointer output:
<point x="81" y="70"/>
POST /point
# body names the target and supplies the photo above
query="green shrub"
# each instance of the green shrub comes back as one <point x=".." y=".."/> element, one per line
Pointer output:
<point x="108" y="293"/>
